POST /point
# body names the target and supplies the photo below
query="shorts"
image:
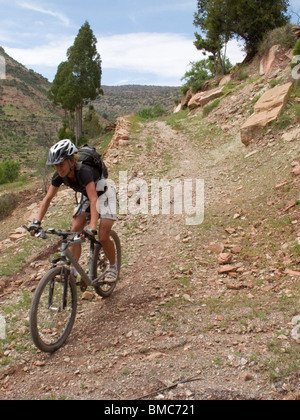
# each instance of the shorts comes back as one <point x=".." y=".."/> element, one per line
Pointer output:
<point x="106" y="205"/>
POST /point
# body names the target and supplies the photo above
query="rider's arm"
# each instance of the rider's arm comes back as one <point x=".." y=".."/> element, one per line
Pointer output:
<point x="93" y="197"/>
<point x="46" y="202"/>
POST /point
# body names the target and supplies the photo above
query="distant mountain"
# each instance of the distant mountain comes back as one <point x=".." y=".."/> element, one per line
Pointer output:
<point x="27" y="118"/>
<point x="125" y="100"/>
<point x="29" y="123"/>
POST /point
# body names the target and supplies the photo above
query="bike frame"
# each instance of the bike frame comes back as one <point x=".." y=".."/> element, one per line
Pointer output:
<point x="88" y="279"/>
<point x="66" y="254"/>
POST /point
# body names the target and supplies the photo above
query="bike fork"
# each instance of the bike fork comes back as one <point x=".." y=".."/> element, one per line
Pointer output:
<point x="66" y="287"/>
<point x="64" y="275"/>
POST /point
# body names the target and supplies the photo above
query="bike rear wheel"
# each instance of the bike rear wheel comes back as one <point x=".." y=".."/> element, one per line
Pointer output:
<point x="101" y="264"/>
<point x="53" y="310"/>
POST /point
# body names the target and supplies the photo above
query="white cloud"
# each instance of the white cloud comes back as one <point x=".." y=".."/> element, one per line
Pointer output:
<point x="165" y="56"/>
<point x="65" y="20"/>
<point x="50" y="55"/>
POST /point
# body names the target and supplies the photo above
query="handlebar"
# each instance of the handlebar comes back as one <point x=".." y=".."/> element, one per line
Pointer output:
<point x="64" y="235"/>
<point x="42" y="233"/>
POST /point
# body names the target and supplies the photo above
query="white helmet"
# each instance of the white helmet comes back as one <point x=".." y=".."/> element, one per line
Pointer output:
<point x="61" y="151"/>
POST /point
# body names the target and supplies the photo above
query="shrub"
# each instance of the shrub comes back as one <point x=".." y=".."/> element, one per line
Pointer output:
<point x="242" y="75"/>
<point x="8" y="203"/>
<point x="9" y="171"/>
<point x="208" y="108"/>
<point x="296" y="50"/>
<point x="282" y="36"/>
<point x="65" y="132"/>
<point x="151" y="113"/>
<point x="198" y="74"/>
<point x="91" y="126"/>
<point x="297" y="108"/>
<point x="296" y="53"/>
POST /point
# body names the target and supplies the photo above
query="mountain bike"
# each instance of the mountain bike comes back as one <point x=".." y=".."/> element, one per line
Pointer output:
<point x="54" y="304"/>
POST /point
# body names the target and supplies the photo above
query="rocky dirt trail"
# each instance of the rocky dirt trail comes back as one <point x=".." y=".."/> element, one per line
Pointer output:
<point x="177" y="326"/>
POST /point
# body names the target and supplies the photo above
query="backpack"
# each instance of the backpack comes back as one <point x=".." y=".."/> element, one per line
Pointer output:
<point x="89" y="156"/>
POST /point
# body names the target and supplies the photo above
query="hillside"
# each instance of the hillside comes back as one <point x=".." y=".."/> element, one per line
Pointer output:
<point x="202" y="312"/>
<point x="27" y="119"/>
<point x="125" y="100"/>
<point x="29" y="123"/>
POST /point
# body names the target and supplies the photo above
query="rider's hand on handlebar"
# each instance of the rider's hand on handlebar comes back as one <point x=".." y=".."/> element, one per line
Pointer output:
<point x="35" y="227"/>
<point x="88" y="233"/>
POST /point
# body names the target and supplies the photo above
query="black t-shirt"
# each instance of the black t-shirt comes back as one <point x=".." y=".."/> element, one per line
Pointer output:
<point x="84" y="176"/>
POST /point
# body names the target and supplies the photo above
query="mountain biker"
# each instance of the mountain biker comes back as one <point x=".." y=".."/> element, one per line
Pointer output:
<point x="96" y="199"/>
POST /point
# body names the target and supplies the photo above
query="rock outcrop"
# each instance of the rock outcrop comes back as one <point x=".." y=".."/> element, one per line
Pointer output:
<point x="203" y="98"/>
<point x="296" y="31"/>
<point x="187" y="97"/>
<point x="120" y="138"/>
<point x="267" y="62"/>
<point x="266" y="110"/>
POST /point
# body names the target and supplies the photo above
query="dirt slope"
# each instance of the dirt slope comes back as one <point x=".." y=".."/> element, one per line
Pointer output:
<point x="176" y="328"/>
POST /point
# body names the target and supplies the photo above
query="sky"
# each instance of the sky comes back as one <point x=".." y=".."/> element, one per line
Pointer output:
<point x="140" y="41"/>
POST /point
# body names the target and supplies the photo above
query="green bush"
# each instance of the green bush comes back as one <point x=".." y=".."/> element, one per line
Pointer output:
<point x="296" y="53"/>
<point x="65" y="132"/>
<point x="9" y="171"/>
<point x="198" y="74"/>
<point x="208" y="108"/>
<point x="242" y="75"/>
<point x="296" y="50"/>
<point x="297" y="108"/>
<point x="91" y="126"/>
<point x="8" y="203"/>
<point x="152" y="113"/>
<point x="282" y="36"/>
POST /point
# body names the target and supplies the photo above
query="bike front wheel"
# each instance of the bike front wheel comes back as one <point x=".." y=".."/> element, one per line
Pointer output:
<point x="53" y="310"/>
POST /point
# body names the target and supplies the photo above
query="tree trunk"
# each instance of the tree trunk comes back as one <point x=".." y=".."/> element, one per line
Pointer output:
<point x="78" y="133"/>
<point x="72" y="121"/>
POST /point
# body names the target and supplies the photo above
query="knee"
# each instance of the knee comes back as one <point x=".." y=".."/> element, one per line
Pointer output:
<point x="103" y="237"/>
<point x="77" y="225"/>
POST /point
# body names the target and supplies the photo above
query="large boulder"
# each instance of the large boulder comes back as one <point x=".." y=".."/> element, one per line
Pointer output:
<point x="268" y="61"/>
<point x="266" y="110"/>
<point x="296" y="31"/>
<point x="203" y="98"/>
<point x="187" y="97"/>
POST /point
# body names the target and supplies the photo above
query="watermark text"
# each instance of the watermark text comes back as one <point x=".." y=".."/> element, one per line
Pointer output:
<point x="160" y="197"/>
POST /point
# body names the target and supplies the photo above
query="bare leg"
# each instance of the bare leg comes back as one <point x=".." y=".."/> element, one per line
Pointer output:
<point x="108" y="246"/>
<point x="78" y="225"/>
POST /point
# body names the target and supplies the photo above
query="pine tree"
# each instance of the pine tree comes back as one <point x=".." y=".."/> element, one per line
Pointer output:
<point x="78" y="80"/>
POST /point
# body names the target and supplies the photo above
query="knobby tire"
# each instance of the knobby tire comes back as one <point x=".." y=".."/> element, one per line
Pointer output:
<point x="61" y="290"/>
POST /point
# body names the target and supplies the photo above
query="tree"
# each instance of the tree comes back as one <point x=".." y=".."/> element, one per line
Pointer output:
<point x="252" y="19"/>
<point x="91" y="126"/>
<point x="222" y="20"/>
<point x="78" y="80"/>
<point x="214" y="18"/>
<point x="198" y="74"/>
<point x="63" y="92"/>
